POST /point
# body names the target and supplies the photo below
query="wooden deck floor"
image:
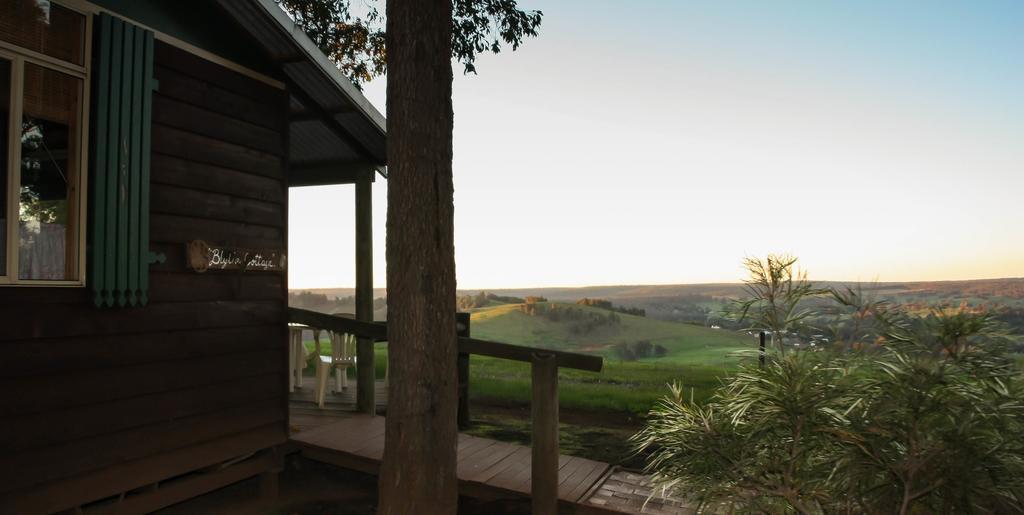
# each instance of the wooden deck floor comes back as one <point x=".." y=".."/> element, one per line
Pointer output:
<point x="486" y="468"/>
<point x="304" y="414"/>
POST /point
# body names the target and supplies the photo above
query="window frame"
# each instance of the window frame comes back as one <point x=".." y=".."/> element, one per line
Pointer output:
<point x="18" y="56"/>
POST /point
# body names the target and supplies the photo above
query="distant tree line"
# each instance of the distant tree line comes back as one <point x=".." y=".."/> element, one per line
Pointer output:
<point x="694" y="309"/>
<point x="607" y="304"/>
<point x="484" y="299"/>
<point x="581" y="321"/>
<point x="323" y="304"/>
<point x="638" y="350"/>
<point x="1009" y="288"/>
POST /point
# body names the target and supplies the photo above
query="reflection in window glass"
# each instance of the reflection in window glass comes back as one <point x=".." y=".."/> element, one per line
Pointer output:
<point x="47" y="210"/>
<point x="5" y="123"/>
<point x="44" y="27"/>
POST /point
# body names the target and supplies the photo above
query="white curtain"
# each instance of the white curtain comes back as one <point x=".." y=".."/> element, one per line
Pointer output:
<point x="41" y="254"/>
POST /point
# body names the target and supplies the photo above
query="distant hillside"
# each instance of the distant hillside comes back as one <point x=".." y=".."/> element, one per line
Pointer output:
<point x="599" y="331"/>
<point x="339" y="292"/>
<point x="1012" y="288"/>
<point x="701" y="303"/>
<point x="1005" y="288"/>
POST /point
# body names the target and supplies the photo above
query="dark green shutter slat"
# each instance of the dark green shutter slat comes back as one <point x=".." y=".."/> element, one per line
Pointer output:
<point x="134" y="257"/>
<point x="101" y="116"/>
<point x="124" y="164"/>
<point x="123" y="107"/>
<point x="147" y="124"/>
<point x="113" y="153"/>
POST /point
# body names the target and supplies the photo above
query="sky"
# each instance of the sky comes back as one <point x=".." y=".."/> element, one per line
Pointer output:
<point x="661" y="142"/>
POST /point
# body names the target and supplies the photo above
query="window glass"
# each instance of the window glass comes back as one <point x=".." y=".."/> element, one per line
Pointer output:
<point x="5" y="124"/>
<point x="47" y="209"/>
<point x="44" y="27"/>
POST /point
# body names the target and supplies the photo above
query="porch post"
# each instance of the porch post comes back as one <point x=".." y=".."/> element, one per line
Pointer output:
<point x="365" y="375"/>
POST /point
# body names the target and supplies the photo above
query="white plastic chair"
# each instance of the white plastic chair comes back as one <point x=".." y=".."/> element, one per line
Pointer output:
<point x="343" y="355"/>
<point x="296" y="356"/>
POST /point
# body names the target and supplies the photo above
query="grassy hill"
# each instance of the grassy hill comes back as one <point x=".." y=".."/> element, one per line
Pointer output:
<point x="701" y="303"/>
<point x="696" y="357"/>
<point x="997" y="290"/>
<point x="987" y="289"/>
<point x="686" y="344"/>
<point x="693" y="355"/>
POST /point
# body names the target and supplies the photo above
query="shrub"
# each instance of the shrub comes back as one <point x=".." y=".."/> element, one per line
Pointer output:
<point x="581" y="322"/>
<point x="778" y="295"/>
<point x="637" y="350"/>
<point x="643" y="348"/>
<point x="597" y="303"/>
<point x="607" y="304"/>
<point x="931" y="421"/>
<point x="624" y="352"/>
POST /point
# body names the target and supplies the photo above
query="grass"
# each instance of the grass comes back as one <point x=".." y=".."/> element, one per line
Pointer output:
<point x="631" y="387"/>
<point x="697" y="357"/>
<point x="686" y="344"/>
<point x="599" y="411"/>
<point x="590" y="439"/>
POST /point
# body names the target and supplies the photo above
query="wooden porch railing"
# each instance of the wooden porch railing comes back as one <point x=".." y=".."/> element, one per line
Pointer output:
<point x="543" y="393"/>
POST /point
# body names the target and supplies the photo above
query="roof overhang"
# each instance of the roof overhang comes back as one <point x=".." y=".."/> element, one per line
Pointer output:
<point x="336" y="135"/>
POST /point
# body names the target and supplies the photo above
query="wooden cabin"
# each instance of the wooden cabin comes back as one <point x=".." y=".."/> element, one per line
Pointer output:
<point x="147" y="148"/>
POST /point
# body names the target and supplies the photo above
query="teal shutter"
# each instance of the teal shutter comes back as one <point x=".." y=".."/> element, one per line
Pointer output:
<point x="122" y="112"/>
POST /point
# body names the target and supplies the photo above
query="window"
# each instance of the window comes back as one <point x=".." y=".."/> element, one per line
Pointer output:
<point x="44" y="80"/>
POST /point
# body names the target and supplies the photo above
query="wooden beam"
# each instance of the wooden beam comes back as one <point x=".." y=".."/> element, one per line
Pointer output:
<point x="365" y="371"/>
<point x="379" y="332"/>
<point x="309" y="116"/>
<point x="462" y="329"/>
<point x="544" y="434"/>
<point x="375" y="330"/>
<point x="333" y="125"/>
<point x="290" y="58"/>
<point x="189" y="487"/>
<point x="520" y="353"/>
<point x="114" y="479"/>
<point x="324" y="174"/>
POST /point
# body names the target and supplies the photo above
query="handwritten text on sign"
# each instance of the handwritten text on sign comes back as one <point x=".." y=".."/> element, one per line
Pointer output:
<point x="202" y="257"/>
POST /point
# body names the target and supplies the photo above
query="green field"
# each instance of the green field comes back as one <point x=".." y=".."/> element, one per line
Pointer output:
<point x="600" y="411"/>
<point x="687" y="344"/>
<point x="631" y="387"/>
<point x="696" y="358"/>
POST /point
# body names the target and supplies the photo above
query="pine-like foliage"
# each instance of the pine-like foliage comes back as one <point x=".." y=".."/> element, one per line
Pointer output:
<point x="928" y="419"/>
<point x="777" y="295"/>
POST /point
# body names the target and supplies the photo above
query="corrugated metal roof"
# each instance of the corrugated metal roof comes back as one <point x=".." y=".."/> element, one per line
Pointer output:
<point x="332" y="121"/>
<point x="310" y="142"/>
<point x="305" y="76"/>
<point x="278" y="44"/>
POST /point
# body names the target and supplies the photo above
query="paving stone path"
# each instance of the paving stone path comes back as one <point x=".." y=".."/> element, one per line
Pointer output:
<point x="630" y="492"/>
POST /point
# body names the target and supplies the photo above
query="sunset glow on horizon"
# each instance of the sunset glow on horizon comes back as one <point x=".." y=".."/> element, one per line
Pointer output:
<point x="662" y="142"/>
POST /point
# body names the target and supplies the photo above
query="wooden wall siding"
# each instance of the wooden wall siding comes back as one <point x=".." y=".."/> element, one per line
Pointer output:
<point x="97" y="401"/>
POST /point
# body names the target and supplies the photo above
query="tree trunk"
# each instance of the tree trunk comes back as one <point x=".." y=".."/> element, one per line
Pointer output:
<point x="418" y="471"/>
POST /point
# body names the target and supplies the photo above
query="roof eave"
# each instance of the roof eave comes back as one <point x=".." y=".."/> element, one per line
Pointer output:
<point x="325" y="65"/>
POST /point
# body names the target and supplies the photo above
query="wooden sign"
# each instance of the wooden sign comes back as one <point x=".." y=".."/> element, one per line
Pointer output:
<point x="200" y="256"/>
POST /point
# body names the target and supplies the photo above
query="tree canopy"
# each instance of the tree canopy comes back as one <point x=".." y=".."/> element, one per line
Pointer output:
<point x="355" y="39"/>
